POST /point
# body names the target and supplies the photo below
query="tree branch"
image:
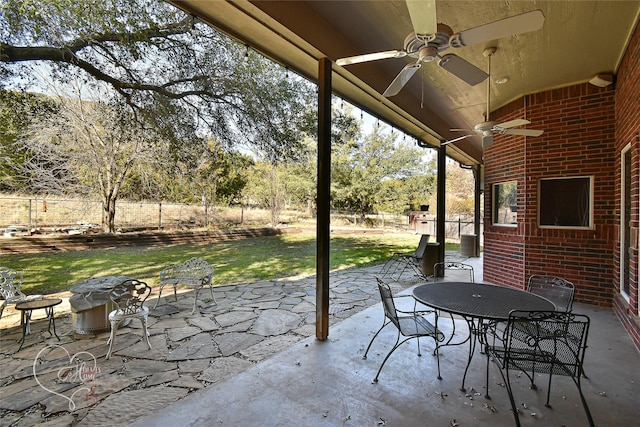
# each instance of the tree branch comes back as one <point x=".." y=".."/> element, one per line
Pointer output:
<point x="47" y="53"/>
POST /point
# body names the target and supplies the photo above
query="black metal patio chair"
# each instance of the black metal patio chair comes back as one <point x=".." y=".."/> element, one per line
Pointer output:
<point x="395" y="266"/>
<point x="541" y="342"/>
<point x="410" y="324"/>
<point x="556" y="289"/>
<point x="454" y="271"/>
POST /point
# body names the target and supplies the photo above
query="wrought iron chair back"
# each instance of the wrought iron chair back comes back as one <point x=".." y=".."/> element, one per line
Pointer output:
<point x="410" y="324"/>
<point x="548" y="342"/>
<point x="388" y="304"/>
<point x="129" y="297"/>
<point x="10" y="282"/>
<point x="556" y="289"/>
<point x="457" y="271"/>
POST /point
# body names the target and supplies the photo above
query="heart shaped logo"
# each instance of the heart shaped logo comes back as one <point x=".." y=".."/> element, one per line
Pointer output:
<point x="82" y="368"/>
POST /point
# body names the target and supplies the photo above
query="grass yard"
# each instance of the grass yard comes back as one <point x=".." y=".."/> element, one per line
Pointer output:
<point x="238" y="261"/>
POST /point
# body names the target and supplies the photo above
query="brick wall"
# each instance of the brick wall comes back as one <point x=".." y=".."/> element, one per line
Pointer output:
<point x="586" y="128"/>
<point x="504" y="245"/>
<point x="579" y="140"/>
<point x="628" y="133"/>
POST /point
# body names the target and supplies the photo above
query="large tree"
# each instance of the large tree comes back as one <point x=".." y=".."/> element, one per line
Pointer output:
<point x="362" y="166"/>
<point x="175" y="74"/>
<point x="87" y="147"/>
<point x="17" y="112"/>
<point x="155" y="57"/>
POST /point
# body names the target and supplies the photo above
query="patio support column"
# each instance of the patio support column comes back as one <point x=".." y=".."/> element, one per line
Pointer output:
<point x="441" y="197"/>
<point x="324" y="182"/>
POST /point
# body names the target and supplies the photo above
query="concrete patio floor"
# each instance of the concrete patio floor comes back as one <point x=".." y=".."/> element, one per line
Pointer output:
<point x="246" y="362"/>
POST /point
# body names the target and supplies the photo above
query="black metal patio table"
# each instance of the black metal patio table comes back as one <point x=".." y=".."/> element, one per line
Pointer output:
<point x="26" y="307"/>
<point x="478" y="303"/>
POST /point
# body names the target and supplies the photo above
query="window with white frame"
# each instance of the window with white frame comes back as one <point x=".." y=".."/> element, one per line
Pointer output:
<point x="565" y="202"/>
<point x="504" y="207"/>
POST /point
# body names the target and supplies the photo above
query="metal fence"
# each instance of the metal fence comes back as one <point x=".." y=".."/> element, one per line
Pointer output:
<point x="64" y="214"/>
<point x="23" y="214"/>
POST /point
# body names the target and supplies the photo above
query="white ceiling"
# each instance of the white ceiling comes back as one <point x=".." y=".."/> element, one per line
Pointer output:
<point x="578" y="40"/>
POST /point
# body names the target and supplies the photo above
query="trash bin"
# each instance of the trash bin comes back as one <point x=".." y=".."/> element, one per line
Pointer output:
<point x="468" y="245"/>
<point x="430" y="258"/>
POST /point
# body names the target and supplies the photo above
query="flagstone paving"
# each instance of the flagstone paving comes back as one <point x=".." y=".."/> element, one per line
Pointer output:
<point x="69" y="382"/>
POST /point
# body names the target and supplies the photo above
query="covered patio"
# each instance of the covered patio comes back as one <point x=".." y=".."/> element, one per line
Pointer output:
<point x="586" y="104"/>
<point x="327" y="383"/>
<point x="323" y="380"/>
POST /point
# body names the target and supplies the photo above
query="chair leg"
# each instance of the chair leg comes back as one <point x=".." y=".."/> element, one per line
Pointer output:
<point x="212" y="297"/>
<point x="112" y="337"/>
<point x="145" y="331"/>
<point x="548" y="389"/>
<point x="395" y="346"/>
<point x="159" y="295"/>
<point x="392" y="267"/>
<point x="584" y="401"/>
<point x="511" y="399"/>
<point x="195" y="301"/>
<point x="374" y="337"/>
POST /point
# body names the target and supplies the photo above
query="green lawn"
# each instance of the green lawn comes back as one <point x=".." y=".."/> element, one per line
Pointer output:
<point x="238" y="261"/>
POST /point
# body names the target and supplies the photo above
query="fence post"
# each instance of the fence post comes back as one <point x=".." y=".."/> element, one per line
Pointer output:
<point x="30" y="214"/>
<point x="459" y="227"/>
<point x="159" y="216"/>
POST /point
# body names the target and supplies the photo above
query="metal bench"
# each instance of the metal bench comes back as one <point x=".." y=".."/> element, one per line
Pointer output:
<point x="195" y="273"/>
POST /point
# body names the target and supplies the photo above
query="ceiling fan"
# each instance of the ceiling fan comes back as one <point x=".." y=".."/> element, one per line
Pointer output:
<point x="489" y="128"/>
<point x="429" y="38"/>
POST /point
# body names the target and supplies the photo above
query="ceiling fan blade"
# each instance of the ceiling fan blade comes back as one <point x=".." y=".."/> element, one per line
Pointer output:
<point x="423" y="18"/>
<point x="401" y="79"/>
<point x="518" y="24"/>
<point x="512" y="123"/>
<point x="522" y="132"/>
<point x="461" y="130"/>
<point x="462" y="69"/>
<point x="487" y="141"/>
<point x="371" y="57"/>
<point x="455" y="140"/>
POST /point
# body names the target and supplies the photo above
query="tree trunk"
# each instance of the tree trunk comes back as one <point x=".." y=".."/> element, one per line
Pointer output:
<point x="109" y="215"/>
<point x="310" y="207"/>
